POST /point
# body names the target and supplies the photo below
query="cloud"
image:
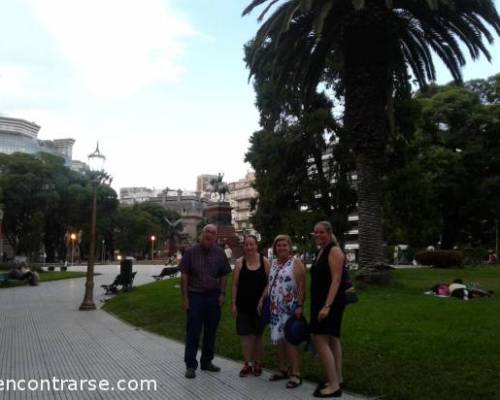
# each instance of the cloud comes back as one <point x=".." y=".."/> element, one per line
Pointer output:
<point x="117" y="47"/>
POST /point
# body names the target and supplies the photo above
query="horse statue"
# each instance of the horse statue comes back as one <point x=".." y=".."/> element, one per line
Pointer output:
<point x="219" y="187"/>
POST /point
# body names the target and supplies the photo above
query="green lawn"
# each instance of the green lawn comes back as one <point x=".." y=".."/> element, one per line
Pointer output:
<point x="397" y="341"/>
<point x="48" y="276"/>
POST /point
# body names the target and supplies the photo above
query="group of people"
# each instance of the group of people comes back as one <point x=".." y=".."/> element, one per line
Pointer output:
<point x="263" y="286"/>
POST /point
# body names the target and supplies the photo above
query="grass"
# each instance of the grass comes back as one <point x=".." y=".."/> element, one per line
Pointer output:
<point x="47" y="276"/>
<point x="397" y="342"/>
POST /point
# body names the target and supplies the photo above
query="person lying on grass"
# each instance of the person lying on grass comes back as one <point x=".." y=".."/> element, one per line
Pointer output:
<point x="460" y="290"/>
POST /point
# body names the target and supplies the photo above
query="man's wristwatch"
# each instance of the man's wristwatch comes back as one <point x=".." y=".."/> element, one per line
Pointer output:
<point x="327" y="305"/>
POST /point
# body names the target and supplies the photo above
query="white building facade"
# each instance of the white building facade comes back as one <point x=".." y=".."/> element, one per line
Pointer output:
<point x="241" y="196"/>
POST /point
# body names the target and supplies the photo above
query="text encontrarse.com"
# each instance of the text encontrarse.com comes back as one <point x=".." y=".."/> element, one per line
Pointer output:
<point x="55" y="384"/>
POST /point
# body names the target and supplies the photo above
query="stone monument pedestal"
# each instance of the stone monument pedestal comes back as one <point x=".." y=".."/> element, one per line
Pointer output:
<point x="219" y="214"/>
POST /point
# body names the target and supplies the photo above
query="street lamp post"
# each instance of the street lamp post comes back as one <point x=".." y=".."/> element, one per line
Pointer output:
<point x="103" y="250"/>
<point x="73" y="238"/>
<point x="153" y="238"/>
<point x="96" y="165"/>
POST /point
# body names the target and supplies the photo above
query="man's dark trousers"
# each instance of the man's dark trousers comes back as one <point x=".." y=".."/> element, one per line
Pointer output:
<point x="204" y="313"/>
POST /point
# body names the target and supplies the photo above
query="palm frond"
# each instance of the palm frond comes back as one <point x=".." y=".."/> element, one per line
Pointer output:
<point x="423" y="28"/>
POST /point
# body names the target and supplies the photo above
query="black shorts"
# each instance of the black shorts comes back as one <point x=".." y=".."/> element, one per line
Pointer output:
<point x="248" y="324"/>
<point x="331" y="325"/>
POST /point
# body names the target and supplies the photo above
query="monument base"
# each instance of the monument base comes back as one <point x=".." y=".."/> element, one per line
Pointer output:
<point x="219" y="214"/>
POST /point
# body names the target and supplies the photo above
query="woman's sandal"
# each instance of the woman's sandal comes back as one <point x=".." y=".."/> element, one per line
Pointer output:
<point x="257" y="369"/>
<point x="295" y="381"/>
<point x="322" y="385"/>
<point x="319" y="394"/>
<point x="279" y="376"/>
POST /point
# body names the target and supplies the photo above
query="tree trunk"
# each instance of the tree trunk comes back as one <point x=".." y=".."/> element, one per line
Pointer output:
<point x="367" y="79"/>
<point x="370" y="208"/>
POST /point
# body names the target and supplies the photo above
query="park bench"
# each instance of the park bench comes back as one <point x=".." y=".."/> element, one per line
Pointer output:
<point x="167" y="272"/>
<point x="123" y="280"/>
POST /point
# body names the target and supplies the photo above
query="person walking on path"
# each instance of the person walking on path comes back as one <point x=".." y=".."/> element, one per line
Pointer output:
<point x="203" y="284"/>
<point x="286" y="292"/>
<point x="327" y="307"/>
<point x="249" y="289"/>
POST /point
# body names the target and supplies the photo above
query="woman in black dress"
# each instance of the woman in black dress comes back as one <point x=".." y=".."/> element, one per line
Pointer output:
<point x="249" y="288"/>
<point x="327" y="307"/>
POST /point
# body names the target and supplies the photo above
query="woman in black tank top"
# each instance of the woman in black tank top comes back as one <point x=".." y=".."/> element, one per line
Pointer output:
<point x="249" y="288"/>
<point x="327" y="307"/>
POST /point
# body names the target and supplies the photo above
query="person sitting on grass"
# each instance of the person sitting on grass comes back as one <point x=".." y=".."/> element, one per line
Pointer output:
<point x="21" y="272"/>
<point x="249" y="289"/>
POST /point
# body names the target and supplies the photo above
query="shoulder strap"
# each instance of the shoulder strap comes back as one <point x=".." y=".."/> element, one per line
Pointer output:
<point x="271" y="286"/>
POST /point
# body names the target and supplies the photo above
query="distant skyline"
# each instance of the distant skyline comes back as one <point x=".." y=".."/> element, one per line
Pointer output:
<point x="161" y="84"/>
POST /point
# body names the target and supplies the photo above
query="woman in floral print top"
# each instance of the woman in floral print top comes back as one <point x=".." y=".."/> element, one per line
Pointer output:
<point x="286" y="293"/>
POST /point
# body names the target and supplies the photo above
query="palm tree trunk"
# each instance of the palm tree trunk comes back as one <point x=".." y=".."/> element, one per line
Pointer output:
<point x="367" y="81"/>
<point x="370" y="208"/>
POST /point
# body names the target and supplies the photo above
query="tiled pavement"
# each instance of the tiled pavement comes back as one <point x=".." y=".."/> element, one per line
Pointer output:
<point x="44" y="336"/>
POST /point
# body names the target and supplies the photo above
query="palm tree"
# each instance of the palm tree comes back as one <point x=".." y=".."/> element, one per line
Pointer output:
<point x="367" y="46"/>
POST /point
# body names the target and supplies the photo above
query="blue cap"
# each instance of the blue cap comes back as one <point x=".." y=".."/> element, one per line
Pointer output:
<point x="296" y="330"/>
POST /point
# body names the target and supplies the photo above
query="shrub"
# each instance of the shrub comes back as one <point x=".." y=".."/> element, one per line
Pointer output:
<point x="440" y="258"/>
<point x="475" y="256"/>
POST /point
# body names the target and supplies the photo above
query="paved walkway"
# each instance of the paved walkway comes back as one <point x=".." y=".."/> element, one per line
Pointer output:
<point x="43" y="336"/>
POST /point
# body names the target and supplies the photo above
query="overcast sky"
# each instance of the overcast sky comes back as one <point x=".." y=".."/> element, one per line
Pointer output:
<point x="160" y="83"/>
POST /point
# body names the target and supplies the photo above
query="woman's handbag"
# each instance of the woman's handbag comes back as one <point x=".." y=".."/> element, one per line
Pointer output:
<point x="265" y="313"/>
<point x="351" y="296"/>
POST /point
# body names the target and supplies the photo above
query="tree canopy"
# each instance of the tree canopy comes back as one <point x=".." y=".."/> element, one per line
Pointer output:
<point x="365" y="49"/>
<point x="444" y="182"/>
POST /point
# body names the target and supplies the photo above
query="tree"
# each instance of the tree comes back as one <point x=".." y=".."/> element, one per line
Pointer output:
<point x="488" y="90"/>
<point x="367" y="45"/>
<point x="443" y="182"/>
<point x="303" y="147"/>
<point x="170" y="228"/>
<point x="27" y="192"/>
<point x="133" y="228"/>
<point x="65" y="212"/>
<point x="135" y="224"/>
<point x="43" y="199"/>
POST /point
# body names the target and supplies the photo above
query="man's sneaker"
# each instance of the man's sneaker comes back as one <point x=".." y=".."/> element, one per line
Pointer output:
<point x="246" y="370"/>
<point x="190" y="373"/>
<point x="211" y="368"/>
